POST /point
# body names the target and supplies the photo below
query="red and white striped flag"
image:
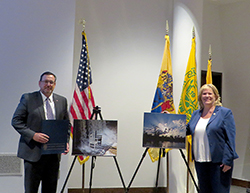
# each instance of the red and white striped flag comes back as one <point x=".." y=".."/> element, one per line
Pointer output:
<point x="83" y="100"/>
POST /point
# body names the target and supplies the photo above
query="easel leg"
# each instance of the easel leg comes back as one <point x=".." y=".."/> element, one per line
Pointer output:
<point x="71" y="167"/>
<point x="188" y="158"/>
<point x="83" y="176"/>
<point x="183" y="156"/>
<point x="91" y="172"/>
<point x="119" y="171"/>
<point x="167" y="159"/>
<point x="96" y="112"/>
<point x="158" y="169"/>
<point x="143" y="156"/>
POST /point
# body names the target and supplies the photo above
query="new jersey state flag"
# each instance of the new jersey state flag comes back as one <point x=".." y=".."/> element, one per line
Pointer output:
<point x="163" y="99"/>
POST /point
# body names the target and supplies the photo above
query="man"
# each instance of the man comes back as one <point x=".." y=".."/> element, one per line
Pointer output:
<point x="27" y="119"/>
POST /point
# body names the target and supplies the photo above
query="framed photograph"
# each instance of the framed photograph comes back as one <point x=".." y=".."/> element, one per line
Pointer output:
<point x="162" y="130"/>
<point x="95" y="137"/>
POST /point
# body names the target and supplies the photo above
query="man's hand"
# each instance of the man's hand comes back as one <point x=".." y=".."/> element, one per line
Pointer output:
<point x="41" y="137"/>
<point x="67" y="150"/>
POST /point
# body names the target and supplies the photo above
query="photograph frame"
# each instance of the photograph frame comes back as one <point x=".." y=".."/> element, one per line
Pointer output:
<point x="95" y="137"/>
<point x="163" y="130"/>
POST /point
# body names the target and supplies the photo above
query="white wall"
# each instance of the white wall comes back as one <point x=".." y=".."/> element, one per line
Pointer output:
<point x="35" y="36"/>
<point x="209" y="20"/>
<point x="236" y="46"/>
<point x="186" y="17"/>
<point x="225" y="28"/>
<point x="211" y="35"/>
<point x="126" y="41"/>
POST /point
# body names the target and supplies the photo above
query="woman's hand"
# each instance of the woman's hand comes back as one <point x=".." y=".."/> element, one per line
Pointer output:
<point x="225" y="168"/>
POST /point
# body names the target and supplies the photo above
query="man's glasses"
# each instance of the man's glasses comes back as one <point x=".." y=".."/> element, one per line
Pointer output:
<point x="48" y="81"/>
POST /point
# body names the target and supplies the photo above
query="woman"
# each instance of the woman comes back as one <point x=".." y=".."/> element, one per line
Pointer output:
<point x="213" y="134"/>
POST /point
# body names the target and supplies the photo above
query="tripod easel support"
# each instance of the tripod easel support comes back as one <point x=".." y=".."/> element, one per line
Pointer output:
<point x="96" y="112"/>
<point x="132" y="179"/>
<point x="156" y="184"/>
<point x="91" y="172"/>
<point x="67" y="178"/>
<point x="119" y="171"/>
<point x="183" y="156"/>
<point x="158" y="167"/>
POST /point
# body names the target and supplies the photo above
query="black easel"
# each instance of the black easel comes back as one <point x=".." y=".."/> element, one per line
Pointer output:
<point x="67" y="178"/>
<point x="96" y="112"/>
<point x="183" y="156"/>
<point x="158" y="169"/>
<point x="132" y="179"/>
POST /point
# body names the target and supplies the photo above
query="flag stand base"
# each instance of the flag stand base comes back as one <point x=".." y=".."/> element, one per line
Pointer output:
<point x="96" y="112"/>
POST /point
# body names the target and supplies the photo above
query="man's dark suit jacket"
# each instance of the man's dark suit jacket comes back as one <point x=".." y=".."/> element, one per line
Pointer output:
<point x="220" y="132"/>
<point x="27" y="121"/>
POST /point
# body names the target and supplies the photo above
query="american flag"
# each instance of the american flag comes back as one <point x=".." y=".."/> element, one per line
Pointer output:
<point x="83" y="100"/>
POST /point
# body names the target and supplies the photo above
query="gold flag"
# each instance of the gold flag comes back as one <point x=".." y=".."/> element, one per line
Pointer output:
<point x="163" y="100"/>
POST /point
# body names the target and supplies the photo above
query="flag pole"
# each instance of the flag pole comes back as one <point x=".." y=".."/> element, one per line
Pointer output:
<point x="193" y="32"/>
<point x="167" y="156"/>
<point x="188" y="145"/>
<point x="83" y="23"/>
<point x="167" y="27"/>
<point x="189" y="104"/>
<point x="209" y="67"/>
<point x="210" y="52"/>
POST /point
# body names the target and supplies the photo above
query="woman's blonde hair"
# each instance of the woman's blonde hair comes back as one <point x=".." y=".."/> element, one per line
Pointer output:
<point x="215" y="91"/>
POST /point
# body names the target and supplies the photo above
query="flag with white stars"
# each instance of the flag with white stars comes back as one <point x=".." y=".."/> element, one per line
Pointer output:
<point x="84" y="79"/>
<point x="83" y="100"/>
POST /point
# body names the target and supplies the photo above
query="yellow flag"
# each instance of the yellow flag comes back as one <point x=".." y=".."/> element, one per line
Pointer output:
<point x="189" y="97"/>
<point x="163" y="100"/>
<point x="209" y="72"/>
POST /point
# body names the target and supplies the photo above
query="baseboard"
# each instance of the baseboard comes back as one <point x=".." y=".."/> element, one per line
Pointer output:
<point x="120" y="190"/>
<point x="241" y="183"/>
<point x="235" y="182"/>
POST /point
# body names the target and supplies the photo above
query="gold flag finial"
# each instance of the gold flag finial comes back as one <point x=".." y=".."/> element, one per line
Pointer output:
<point x="82" y="22"/>
<point x="167" y="28"/>
<point x="193" y="32"/>
<point x="210" y="52"/>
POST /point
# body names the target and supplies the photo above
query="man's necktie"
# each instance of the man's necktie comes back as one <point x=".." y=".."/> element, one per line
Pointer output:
<point x="50" y="114"/>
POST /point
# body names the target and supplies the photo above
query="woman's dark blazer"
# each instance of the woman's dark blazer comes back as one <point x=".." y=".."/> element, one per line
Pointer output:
<point x="220" y="132"/>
